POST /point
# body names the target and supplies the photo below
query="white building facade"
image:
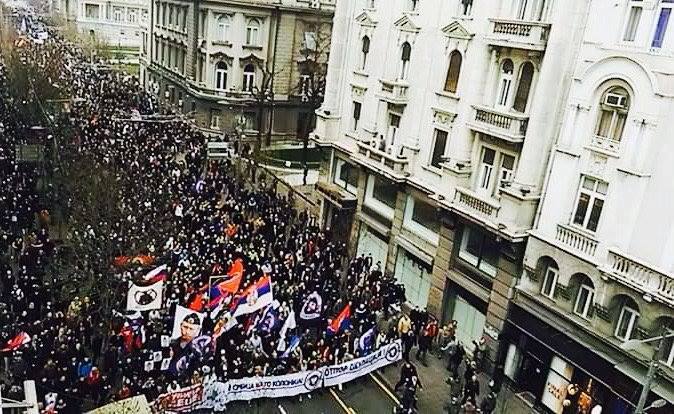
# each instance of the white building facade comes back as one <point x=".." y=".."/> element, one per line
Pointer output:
<point x="117" y="23"/>
<point x="599" y="268"/>
<point x="441" y="116"/>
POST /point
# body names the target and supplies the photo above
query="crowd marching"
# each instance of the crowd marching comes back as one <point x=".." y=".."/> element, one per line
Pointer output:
<point x="220" y="279"/>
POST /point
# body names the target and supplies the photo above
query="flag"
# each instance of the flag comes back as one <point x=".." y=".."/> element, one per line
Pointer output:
<point x="294" y="343"/>
<point x="221" y="289"/>
<point x="289" y="324"/>
<point x="224" y="324"/>
<point x="196" y="303"/>
<point x="157" y="274"/>
<point x="311" y="309"/>
<point x="144" y="298"/>
<point x="237" y="268"/>
<point x="268" y="320"/>
<point x="366" y="340"/>
<point x="21" y="338"/>
<point x="341" y="321"/>
<point x="255" y="297"/>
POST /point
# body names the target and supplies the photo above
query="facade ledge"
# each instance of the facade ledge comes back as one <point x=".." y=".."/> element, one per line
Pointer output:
<point x="520" y="34"/>
<point x="251" y="47"/>
<point x="567" y="151"/>
<point x="336" y="195"/>
<point x="632" y="171"/>
<point x="433" y="170"/>
<point x="511" y="127"/>
<point x="222" y="43"/>
<point x="361" y="73"/>
<point x="387" y="164"/>
<point x="449" y="95"/>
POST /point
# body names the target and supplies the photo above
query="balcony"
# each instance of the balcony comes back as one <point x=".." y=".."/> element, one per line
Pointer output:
<point x="510" y="127"/>
<point x="518" y="34"/>
<point x="609" y="145"/>
<point x="382" y="161"/>
<point x="394" y="92"/>
<point x="576" y="240"/>
<point x="475" y="205"/>
<point x="640" y="276"/>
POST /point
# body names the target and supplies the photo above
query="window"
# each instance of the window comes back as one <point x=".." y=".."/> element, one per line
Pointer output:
<point x="215" y="119"/>
<point x="406" y="52"/>
<point x="385" y="192"/>
<point x="626" y="323"/>
<point x="133" y="15"/>
<point x="633" y="21"/>
<point x="486" y="169"/>
<point x="415" y="275"/>
<point x="251" y="121"/>
<point x="412" y="4"/>
<point x="392" y="131"/>
<point x="224" y="23"/>
<point x="439" y="146"/>
<point x="668" y="348"/>
<point x="590" y="203"/>
<point x="507" y="169"/>
<point x="92" y="11"/>
<point x="663" y="21"/>
<point x="310" y="42"/>
<point x="423" y="214"/>
<point x="504" y="83"/>
<point x="524" y="86"/>
<point x="252" y="32"/>
<point x="480" y="250"/>
<point x="453" y="72"/>
<point x="249" y="77"/>
<point x="370" y="4"/>
<point x="521" y="9"/>
<point x="466" y="7"/>
<point x="118" y="14"/>
<point x="364" y="52"/>
<point x="550" y="282"/>
<point x="346" y="175"/>
<point x="584" y="300"/>
<point x="221" y="76"/>
<point x="356" y="116"/>
<point x="381" y="196"/>
<point x="613" y="110"/>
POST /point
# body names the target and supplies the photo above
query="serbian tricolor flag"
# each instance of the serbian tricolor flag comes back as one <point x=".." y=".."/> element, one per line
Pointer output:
<point x="341" y="321"/>
<point x="220" y="290"/>
<point x="21" y="338"/>
<point x="158" y="274"/>
<point x="255" y="297"/>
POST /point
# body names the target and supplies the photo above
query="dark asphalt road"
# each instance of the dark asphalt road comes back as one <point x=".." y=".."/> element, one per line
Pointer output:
<point x="359" y="396"/>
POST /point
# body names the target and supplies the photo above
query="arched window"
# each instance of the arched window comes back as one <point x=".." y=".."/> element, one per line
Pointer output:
<point x="224" y="24"/>
<point x="613" y="109"/>
<point x="627" y="318"/>
<point x="523" y="87"/>
<point x="252" y="32"/>
<point x="406" y="52"/>
<point x="550" y="277"/>
<point x="453" y="71"/>
<point x="584" y="288"/>
<point x="248" y="77"/>
<point x="364" y="52"/>
<point x="505" y="83"/>
<point x="221" y="76"/>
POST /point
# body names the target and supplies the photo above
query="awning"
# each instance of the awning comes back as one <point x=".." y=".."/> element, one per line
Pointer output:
<point x="336" y="195"/>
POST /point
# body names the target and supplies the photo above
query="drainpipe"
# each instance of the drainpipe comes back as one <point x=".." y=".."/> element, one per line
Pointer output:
<point x="277" y="12"/>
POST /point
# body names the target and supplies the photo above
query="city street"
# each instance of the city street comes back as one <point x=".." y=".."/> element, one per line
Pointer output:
<point x="360" y="396"/>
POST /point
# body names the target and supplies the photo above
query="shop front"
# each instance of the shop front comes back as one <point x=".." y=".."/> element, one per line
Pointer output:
<point x="560" y="374"/>
<point x="415" y="274"/>
<point x="467" y="310"/>
<point x="372" y="242"/>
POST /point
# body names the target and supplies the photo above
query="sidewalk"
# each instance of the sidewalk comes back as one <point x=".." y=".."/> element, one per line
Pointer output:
<point x="436" y="392"/>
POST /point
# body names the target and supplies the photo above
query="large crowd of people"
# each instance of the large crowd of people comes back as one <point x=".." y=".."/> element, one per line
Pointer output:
<point x="176" y="210"/>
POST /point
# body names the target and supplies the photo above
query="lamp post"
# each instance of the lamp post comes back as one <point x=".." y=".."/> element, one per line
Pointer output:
<point x="652" y="369"/>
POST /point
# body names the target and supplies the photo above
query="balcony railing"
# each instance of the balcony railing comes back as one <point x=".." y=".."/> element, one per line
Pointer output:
<point x="390" y="161"/>
<point x="519" y="34"/>
<point x="508" y="126"/>
<point x="641" y="276"/>
<point x="576" y="240"/>
<point x="471" y="202"/>
<point x="394" y="91"/>
<point x="607" y="144"/>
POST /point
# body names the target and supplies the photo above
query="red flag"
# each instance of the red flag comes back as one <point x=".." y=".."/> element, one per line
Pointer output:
<point x="197" y="303"/>
<point x="236" y="269"/>
<point x="21" y="338"/>
<point x="341" y="321"/>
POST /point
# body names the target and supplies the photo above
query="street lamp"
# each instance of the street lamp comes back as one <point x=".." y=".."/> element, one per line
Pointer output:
<point x="652" y="370"/>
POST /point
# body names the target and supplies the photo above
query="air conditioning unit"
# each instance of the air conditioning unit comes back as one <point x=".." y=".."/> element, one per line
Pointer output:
<point x="615" y="100"/>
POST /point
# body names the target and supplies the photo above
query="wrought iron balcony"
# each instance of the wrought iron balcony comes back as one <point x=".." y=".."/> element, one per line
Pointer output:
<point x="519" y="34"/>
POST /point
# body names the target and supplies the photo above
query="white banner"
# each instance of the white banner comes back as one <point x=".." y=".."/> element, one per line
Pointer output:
<point x="347" y="371"/>
<point x="144" y="298"/>
<point x="218" y="394"/>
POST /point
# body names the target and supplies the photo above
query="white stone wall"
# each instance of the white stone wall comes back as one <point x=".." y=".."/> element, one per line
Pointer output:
<point x="121" y="29"/>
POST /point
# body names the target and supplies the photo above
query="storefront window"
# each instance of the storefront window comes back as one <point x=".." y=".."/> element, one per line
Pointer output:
<point x="421" y="219"/>
<point x="480" y="249"/>
<point x="380" y="195"/>
<point x="346" y="176"/>
<point x="415" y="275"/>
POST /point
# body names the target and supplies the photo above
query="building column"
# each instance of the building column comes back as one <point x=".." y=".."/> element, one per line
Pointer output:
<point x="397" y="224"/>
<point x="441" y="264"/>
<point x="352" y="245"/>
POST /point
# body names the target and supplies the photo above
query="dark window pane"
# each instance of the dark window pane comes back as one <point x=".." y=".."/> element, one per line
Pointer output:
<point x="439" y="147"/>
<point x="424" y="214"/>
<point x="474" y="244"/>
<point x="385" y="192"/>
<point x="523" y="88"/>
<point x="453" y="72"/>
<point x="595" y="214"/>
<point x="581" y="209"/>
